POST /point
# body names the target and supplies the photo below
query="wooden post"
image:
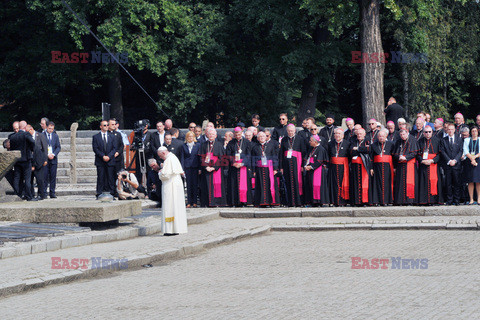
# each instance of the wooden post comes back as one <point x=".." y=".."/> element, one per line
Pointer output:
<point x="73" y="153"/>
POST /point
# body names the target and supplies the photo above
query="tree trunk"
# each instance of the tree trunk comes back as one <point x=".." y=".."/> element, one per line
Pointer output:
<point x="308" y="99"/>
<point x="405" y="90"/>
<point x="115" y="94"/>
<point x="372" y="72"/>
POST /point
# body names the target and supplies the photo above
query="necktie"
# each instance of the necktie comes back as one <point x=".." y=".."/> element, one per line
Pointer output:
<point x="105" y="142"/>
<point x="451" y="142"/>
<point x="50" y="139"/>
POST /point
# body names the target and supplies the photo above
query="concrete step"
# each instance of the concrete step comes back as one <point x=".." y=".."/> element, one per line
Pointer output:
<point x="80" y="155"/>
<point x="81" y="163"/>
<point x="81" y="172"/>
<point x="79" y="148"/>
<point x="87" y="179"/>
<point x="79" y="141"/>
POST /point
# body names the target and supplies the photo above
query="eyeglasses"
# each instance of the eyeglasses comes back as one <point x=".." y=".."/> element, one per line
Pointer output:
<point x="372" y="123"/>
<point x="313" y="129"/>
<point x="191" y="127"/>
<point x="428" y="131"/>
<point x="104" y="125"/>
<point x="283" y="118"/>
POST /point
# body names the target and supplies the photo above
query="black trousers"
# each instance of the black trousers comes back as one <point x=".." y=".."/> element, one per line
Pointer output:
<point x="105" y="179"/>
<point x="453" y="184"/>
<point x="192" y="185"/>
<point x="50" y="177"/>
<point x="39" y="175"/>
<point x="22" y="177"/>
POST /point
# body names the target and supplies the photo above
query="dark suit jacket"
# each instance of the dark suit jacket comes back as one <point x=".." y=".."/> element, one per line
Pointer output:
<point x="155" y="143"/>
<point x="176" y="147"/>
<point x="452" y="152"/>
<point x="190" y="159"/>
<point x="39" y="151"/>
<point x="98" y="149"/>
<point x="24" y="142"/>
<point x="55" y="144"/>
<point x="118" y="145"/>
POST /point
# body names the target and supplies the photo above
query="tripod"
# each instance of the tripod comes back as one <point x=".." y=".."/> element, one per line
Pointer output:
<point x="142" y="165"/>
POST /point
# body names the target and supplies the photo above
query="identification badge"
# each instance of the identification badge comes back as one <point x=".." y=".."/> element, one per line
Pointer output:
<point x="354" y="158"/>
<point x="289" y="153"/>
<point x="264" y="161"/>
<point x="207" y="158"/>
<point x="50" y="150"/>
<point x="239" y="151"/>
<point x="425" y="155"/>
<point x="237" y="156"/>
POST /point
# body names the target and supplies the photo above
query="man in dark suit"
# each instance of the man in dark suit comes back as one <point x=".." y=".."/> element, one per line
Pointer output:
<point x="393" y="111"/>
<point x="24" y="142"/>
<point x="173" y="145"/>
<point x="119" y="162"/>
<point x="52" y="154"/>
<point x="158" y="139"/>
<point x="103" y="144"/>
<point x="451" y="152"/>
<point x="39" y="161"/>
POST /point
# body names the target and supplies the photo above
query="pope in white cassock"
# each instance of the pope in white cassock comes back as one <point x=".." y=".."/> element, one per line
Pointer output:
<point x="174" y="216"/>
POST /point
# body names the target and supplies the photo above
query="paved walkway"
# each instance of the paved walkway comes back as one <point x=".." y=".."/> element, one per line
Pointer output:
<point x="282" y="275"/>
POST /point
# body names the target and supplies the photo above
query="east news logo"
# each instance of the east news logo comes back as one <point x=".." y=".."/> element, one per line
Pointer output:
<point x="393" y="263"/>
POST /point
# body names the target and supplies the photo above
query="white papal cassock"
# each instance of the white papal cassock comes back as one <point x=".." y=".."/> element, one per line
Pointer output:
<point x="174" y="216"/>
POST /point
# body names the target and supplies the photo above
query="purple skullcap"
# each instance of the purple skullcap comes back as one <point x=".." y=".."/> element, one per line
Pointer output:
<point x="316" y="137"/>
<point x="390" y="122"/>
<point x="459" y="113"/>
<point x="290" y="125"/>
<point x="237" y="129"/>
<point x="440" y="119"/>
<point x="348" y="119"/>
<point x="374" y="119"/>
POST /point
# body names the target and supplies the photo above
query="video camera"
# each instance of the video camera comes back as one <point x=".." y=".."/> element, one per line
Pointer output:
<point x="138" y="129"/>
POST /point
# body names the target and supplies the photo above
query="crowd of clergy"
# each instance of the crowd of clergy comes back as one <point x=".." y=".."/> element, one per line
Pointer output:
<point x="397" y="164"/>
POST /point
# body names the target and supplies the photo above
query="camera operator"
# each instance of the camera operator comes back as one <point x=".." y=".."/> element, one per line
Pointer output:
<point x="141" y="144"/>
<point x="128" y="187"/>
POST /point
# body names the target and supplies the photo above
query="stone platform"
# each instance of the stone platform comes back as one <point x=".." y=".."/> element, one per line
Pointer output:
<point x="69" y="211"/>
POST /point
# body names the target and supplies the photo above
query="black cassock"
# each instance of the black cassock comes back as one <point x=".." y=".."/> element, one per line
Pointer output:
<point x="239" y="179"/>
<point x="429" y="184"/>
<point x="316" y="187"/>
<point x="292" y="151"/>
<point x="382" y="163"/>
<point x="266" y="184"/>
<point x="338" y="172"/>
<point x="405" y="185"/>
<point x="212" y="184"/>
<point x="360" y="178"/>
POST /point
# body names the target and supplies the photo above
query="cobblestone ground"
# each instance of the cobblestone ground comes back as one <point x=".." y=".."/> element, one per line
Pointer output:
<point x="283" y="275"/>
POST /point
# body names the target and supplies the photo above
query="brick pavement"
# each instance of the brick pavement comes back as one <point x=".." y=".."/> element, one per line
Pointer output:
<point x="284" y="275"/>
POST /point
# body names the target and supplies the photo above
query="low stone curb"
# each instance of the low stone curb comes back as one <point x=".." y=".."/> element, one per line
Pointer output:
<point x="68" y="241"/>
<point x="133" y="262"/>
<point x="388" y="211"/>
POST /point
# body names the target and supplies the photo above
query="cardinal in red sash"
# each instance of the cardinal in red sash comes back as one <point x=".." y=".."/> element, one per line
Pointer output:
<point x="381" y="153"/>
<point x="405" y="185"/>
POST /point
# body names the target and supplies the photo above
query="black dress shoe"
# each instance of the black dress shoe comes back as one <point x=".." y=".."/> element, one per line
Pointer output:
<point x="40" y="198"/>
<point x="32" y="199"/>
<point x="53" y="196"/>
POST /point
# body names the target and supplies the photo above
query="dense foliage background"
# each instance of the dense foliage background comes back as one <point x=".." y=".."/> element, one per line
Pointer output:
<point x="228" y="59"/>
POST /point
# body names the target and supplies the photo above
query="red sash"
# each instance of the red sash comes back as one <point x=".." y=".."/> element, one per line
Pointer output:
<point x="385" y="159"/>
<point x="364" y="182"/>
<point x="270" y="174"/>
<point x="433" y="175"/>
<point x="411" y="178"/>
<point x="242" y="184"/>
<point x="217" y="179"/>
<point x="317" y="181"/>
<point x="345" y="182"/>
<point x="298" y="156"/>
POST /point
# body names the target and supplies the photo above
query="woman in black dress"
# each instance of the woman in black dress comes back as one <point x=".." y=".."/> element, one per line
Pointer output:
<point x="471" y="150"/>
